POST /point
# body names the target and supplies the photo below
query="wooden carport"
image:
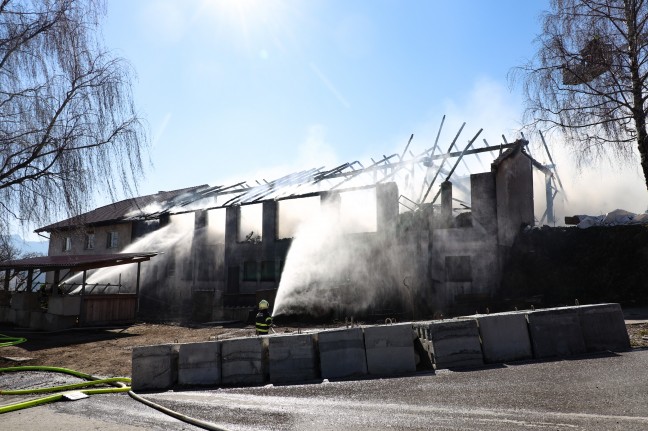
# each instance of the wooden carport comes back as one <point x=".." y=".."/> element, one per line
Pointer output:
<point x="93" y="309"/>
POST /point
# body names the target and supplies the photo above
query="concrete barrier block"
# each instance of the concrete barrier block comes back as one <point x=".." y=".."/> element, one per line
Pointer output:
<point x="603" y="327"/>
<point x="154" y="367"/>
<point x="505" y="337"/>
<point x="52" y="322"/>
<point x="342" y="353"/>
<point x="64" y="305"/>
<point x="556" y="332"/>
<point x="37" y="320"/>
<point x="244" y="361"/>
<point x="293" y="358"/>
<point x="25" y="301"/>
<point x="7" y="315"/>
<point x="455" y="343"/>
<point x="22" y="318"/>
<point x="199" y="363"/>
<point x="390" y="349"/>
<point x="5" y="298"/>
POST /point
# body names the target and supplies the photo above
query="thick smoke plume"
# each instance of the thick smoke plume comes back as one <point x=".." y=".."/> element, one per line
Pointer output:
<point x="331" y="272"/>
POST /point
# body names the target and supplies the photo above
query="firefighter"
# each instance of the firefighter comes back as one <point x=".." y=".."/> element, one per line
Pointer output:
<point x="263" y="318"/>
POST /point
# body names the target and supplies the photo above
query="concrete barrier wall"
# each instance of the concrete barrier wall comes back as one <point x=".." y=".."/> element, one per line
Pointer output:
<point x="5" y="298"/>
<point x="293" y="358"/>
<point x="603" y="327"/>
<point x="390" y="349"/>
<point x="22" y="318"/>
<point x="7" y="315"/>
<point x="37" y="319"/>
<point x="244" y="361"/>
<point x="155" y="367"/>
<point x="25" y="301"/>
<point x="453" y="343"/>
<point x="342" y="353"/>
<point x="199" y="363"/>
<point x="377" y="350"/>
<point x="504" y="336"/>
<point x="556" y="332"/>
<point x="53" y="322"/>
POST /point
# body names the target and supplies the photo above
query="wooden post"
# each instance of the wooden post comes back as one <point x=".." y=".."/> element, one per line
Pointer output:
<point x="82" y="314"/>
<point x="30" y="276"/>
<point x="57" y="276"/>
<point x="137" y="289"/>
<point x="6" y="280"/>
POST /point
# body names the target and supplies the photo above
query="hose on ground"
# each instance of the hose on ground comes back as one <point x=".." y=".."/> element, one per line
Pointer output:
<point x="187" y="419"/>
<point x="6" y="341"/>
<point x="66" y="388"/>
<point x="119" y="384"/>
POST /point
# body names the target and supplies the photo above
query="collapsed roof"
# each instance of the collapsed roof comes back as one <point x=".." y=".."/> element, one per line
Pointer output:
<point x="312" y="181"/>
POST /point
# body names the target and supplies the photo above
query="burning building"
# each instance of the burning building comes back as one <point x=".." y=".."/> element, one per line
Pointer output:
<point x="354" y="240"/>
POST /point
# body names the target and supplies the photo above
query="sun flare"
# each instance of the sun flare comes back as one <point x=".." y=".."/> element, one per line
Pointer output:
<point x="244" y="15"/>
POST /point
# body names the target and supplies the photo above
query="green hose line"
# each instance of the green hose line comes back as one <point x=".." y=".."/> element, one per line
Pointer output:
<point x="46" y="368"/>
<point x="55" y="397"/>
<point x="118" y="384"/>
<point x="64" y="387"/>
<point x="30" y="403"/>
<point x="115" y="381"/>
<point x="6" y="341"/>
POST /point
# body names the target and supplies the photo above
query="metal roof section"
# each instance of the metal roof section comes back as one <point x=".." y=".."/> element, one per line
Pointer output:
<point x="125" y="209"/>
<point x="75" y="262"/>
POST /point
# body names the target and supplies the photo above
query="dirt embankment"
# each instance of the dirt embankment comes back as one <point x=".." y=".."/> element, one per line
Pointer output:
<point x="108" y="352"/>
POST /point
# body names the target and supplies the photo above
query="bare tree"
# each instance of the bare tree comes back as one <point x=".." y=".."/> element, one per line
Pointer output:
<point x="8" y="249"/>
<point x="588" y="78"/>
<point x="68" y="126"/>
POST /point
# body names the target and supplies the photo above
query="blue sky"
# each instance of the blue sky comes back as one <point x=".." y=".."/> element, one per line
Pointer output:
<point x="234" y="90"/>
<point x="248" y="89"/>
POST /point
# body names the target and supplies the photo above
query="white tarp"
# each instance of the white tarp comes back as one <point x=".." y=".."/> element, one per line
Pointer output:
<point x="613" y="218"/>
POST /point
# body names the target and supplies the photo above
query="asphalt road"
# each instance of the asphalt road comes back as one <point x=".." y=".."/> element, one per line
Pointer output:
<point x="604" y="392"/>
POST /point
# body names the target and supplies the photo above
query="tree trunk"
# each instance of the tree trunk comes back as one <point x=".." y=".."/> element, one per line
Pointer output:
<point x="638" y="113"/>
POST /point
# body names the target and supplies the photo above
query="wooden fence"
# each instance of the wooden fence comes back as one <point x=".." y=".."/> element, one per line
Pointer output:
<point x="108" y="309"/>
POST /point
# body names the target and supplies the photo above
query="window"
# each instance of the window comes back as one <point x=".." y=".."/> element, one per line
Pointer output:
<point x="268" y="272"/>
<point x="67" y="243"/>
<point x="250" y="227"/>
<point x="250" y="271"/>
<point x="113" y="240"/>
<point x="458" y="268"/>
<point x="90" y="241"/>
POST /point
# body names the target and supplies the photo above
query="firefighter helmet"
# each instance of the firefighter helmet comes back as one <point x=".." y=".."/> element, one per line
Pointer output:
<point x="263" y="305"/>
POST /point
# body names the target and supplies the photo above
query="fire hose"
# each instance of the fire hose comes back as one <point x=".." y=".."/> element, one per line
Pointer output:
<point x="6" y="341"/>
<point x="64" y="391"/>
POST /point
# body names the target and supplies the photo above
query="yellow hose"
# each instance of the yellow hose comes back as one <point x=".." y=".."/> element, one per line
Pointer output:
<point x="118" y="381"/>
<point x="6" y="341"/>
<point x="64" y="387"/>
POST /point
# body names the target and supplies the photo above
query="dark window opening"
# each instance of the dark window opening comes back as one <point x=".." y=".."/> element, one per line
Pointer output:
<point x="250" y="271"/>
<point x="67" y="243"/>
<point x="90" y="241"/>
<point x="112" y="240"/>
<point x="268" y="270"/>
